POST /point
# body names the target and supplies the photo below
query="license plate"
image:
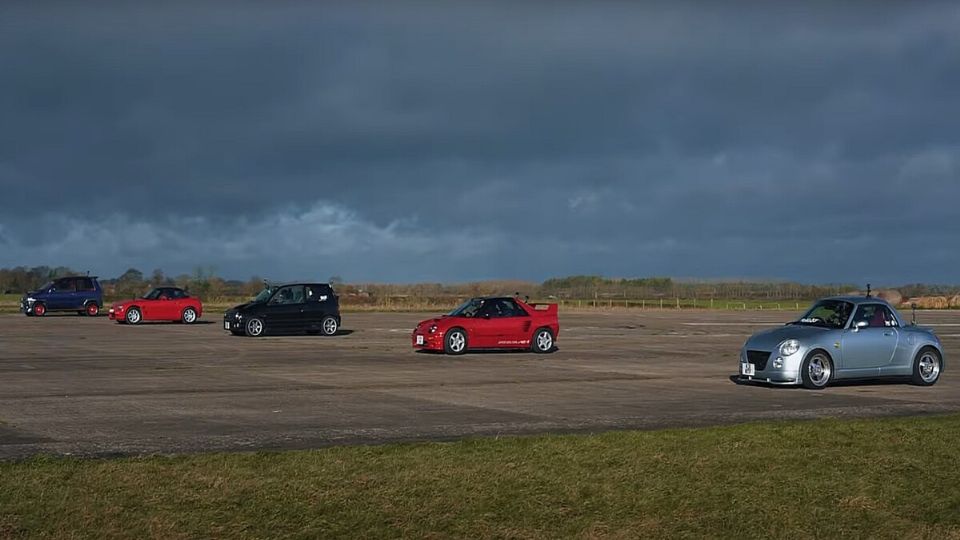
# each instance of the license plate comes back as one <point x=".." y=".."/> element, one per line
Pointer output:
<point x="226" y="325"/>
<point x="419" y="340"/>
<point x="748" y="369"/>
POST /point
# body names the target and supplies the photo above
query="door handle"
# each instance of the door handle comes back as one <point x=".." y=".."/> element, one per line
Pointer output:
<point x="888" y="333"/>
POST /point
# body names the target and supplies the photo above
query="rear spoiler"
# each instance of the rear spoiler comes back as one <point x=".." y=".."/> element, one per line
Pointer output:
<point x="544" y="309"/>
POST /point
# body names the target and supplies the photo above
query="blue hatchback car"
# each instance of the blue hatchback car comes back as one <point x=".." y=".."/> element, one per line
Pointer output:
<point x="81" y="294"/>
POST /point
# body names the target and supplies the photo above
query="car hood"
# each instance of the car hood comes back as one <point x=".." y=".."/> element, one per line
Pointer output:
<point x="246" y="306"/>
<point x="768" y="340"/>
<point x="441" y="322"/>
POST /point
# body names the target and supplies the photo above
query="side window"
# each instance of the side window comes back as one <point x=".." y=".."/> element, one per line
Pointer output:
<point x="509" y="308"/>
<point x="65" y="285"/>
<point x="875" y="315"/>
<point x="318" y="293"/>
<point x="179" y="293"/>
<point x="85" y="284"/>
<point x="288" y="295"/>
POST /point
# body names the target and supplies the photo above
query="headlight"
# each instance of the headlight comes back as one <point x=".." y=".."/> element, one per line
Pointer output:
<point x="236" y="315"/>
<point x="790" y="346"/>
<point x="120" y="307"/>
<point x="31" y="299"/>
<point x="433" y="329"/>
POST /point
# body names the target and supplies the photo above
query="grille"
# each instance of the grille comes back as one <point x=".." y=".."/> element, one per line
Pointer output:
<point x="759" y="359"/>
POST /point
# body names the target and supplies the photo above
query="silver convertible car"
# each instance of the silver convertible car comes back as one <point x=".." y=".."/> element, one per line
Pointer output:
<point x="846" y="337"/>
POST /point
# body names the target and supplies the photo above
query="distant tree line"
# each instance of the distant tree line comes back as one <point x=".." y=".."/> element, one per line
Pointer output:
<point x="205" y="283"/>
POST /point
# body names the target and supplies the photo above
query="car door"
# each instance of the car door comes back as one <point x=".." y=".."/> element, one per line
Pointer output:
<point x="284" y="311"/>
<point x="483" y="328"/>
<point x="318" y="305"/>
<point x="62" y="294"/>
<point x="870" y="341"/>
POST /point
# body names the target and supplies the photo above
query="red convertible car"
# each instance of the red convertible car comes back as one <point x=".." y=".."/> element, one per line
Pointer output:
<point x="160" y="304"/>
<point x="491" y="323"/>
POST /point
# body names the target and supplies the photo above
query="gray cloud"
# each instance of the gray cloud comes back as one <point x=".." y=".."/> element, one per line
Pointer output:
<point x="449" y="141"/>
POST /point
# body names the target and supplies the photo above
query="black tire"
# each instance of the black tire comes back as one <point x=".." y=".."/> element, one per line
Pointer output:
<point x="189" y="316"/>
<point x="134" y="316"/>
<point x="812" y="377"/>
<point x="455" y="341"/>
<point x="542" y="341"/>
<point x="329" y="326"/>
<point x="254" y="327"/>
<point x="923" y="373"/>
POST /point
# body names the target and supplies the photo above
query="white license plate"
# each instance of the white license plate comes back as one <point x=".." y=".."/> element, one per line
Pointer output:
<point x="419" y="340"/>
<point x="748" y="369"/>
<point x="226" y="325"/>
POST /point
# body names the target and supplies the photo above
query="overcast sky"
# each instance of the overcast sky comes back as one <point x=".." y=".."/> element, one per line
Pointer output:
<point x="450" y="142"/>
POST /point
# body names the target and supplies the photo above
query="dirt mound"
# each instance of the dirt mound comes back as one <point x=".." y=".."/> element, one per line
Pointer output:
<point x="929" y="302"/>
<point x="955" y="301"/>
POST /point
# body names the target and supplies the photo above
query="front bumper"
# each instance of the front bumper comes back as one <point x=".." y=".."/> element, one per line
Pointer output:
<point x="232" y="323"/>
<point x="426" y="341"/>
<point x="787" y="374"/>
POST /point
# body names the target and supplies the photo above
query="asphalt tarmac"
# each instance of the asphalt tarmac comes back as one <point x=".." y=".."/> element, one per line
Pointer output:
<point x="72" y="385"/>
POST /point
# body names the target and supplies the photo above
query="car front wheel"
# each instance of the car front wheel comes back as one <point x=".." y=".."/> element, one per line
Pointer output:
<point x="134" y="316"/>
<point x="926" y="367"/>
<point x="254" y="327"/>
<point x="816" y="370"/>
<point x="455" y="342"/>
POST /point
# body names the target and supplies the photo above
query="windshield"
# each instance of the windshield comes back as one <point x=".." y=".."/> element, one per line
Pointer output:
<point x="46" y="286"/>
<point x="264" y="294"/>
<point x="152" y="295"/>
<point x="828" y="314"/>
<point x="468" y="308"/>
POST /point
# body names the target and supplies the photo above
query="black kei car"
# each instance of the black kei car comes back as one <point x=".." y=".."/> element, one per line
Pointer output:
<point x="287" y="309"/>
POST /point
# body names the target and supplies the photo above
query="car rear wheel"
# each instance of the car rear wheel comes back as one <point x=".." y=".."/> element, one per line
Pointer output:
<point x="254" y="327"/>
<point x="134" y="316"/>
<point x="816" y="372"/>
<point x="926" y="367"/>
<point x="39" y="309"/>
<point x="542" y="341"/>
<point x="93" y="309"/>
<point x="189" y="316"/>
<point x="455" y="341"/>
<point x="329" y="326"/>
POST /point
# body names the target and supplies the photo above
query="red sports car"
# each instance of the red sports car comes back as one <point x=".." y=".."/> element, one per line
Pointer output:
<point x="160" y="304"/>
<point x="491" y="323"/>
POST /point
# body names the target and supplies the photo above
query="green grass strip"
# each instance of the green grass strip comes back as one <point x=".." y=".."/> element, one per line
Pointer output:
<point x="876" y="478"/>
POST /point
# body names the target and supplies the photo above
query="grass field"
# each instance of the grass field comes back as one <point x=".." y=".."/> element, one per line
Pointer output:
<point x="880" y="478"/>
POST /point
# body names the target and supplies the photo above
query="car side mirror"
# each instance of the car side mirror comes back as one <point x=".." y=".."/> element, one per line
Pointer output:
<point x="860" y="324"/>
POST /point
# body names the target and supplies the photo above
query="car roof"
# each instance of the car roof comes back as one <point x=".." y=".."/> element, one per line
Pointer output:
<point x="299" y="283"/>
<point x="857" y="300"/>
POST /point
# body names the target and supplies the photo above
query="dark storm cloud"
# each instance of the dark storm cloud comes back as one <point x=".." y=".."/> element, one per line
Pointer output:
<point x="453" y="141"/>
